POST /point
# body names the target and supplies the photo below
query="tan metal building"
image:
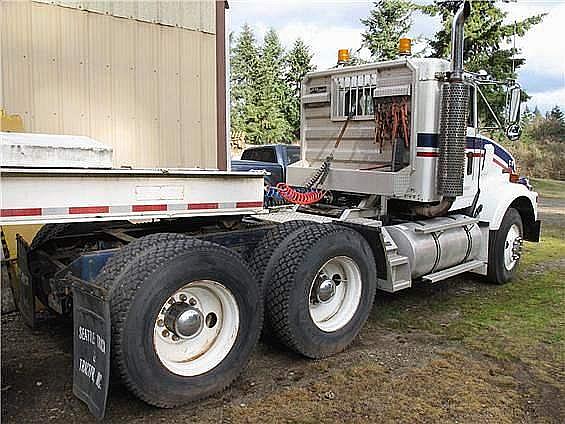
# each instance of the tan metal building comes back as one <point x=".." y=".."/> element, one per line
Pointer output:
<point x="146" y="77"/>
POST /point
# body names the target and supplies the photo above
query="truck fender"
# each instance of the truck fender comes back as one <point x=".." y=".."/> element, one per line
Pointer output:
<point x="495" y="203"/>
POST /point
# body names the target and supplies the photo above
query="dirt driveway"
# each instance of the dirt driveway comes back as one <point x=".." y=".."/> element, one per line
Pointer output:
<point x="462" y="351"/>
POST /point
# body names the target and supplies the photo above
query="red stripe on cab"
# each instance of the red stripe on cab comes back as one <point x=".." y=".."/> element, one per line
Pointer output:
<point x="89" y="209"/>
<point x="148" y="208"/>
<point x="20" y="212"/>
<point x="505" y="167"/>
<point x="427" y="154"/>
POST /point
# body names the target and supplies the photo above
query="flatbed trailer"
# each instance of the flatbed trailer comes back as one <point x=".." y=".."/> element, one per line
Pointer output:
<point x="42" y="196"/>
<point x="89" y="215"/>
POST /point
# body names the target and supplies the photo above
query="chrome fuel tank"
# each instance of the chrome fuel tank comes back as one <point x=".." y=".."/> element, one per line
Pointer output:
<point x="439" y="243"/>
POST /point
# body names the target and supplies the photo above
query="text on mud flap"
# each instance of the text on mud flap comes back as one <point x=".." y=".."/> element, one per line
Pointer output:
<point x="88" y="369"/>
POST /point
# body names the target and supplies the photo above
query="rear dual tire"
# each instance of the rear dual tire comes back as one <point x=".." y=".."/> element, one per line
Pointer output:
<point x="319" y="289"/>
<point x="162" y="362"/>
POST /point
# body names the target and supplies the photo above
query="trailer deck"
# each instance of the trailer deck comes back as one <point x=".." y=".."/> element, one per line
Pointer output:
<point x="43" y="195"/>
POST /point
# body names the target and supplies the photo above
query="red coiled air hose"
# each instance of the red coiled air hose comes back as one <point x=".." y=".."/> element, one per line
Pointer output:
<point x="291" y="195"/>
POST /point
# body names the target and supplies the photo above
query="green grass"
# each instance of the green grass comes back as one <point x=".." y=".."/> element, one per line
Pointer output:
<point x="521" y="322"/>
<point x="549" y="188"/>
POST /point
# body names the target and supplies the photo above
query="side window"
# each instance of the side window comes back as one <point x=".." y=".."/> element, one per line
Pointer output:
<point x="353" y="94"/>
<point x="293" y="154"/>
<point x="249" y="155"/>
<point x="265" y="155"/>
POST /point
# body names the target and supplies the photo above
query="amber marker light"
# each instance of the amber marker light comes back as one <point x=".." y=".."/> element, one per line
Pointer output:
<point x="342" y="56"/>
<point x="405" y="47"/>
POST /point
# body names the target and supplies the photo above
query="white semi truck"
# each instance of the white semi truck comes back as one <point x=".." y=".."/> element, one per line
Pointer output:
<point x="170" y="274"/>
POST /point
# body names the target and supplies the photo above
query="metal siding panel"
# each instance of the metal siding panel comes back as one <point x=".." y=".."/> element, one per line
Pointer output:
<point x="124" y="99"/>
<point x="191" y="127"/>
<point x="208" y="16"/>
<point x="75" y="4"/>
<point x="208" y="100"/>
<point x="100" y="41"/>
<point x="169" y="104"/>
<point x="74" y="72"/>
<point x="103" y="7"/>
<point x="125" y="9"/>
<point x="169" y="12"/>
<point x="46" y="42"/>
<point x="15" y="30"/>
<point x="195" y="15"/>
<point x="189" y="16"/>
<point x="147" y="90"/>
<point x="148" y="11"/>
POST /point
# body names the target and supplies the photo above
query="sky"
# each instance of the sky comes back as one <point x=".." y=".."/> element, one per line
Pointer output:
<point x="328" y="25"/>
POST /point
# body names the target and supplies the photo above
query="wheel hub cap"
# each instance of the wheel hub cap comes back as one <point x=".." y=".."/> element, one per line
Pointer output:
<point x="512" y="247"/>
<point x="325" y="291"/>
<point x="335" y="293"/>
<point x="184" y="320"/>
<point x="196" y="327"/>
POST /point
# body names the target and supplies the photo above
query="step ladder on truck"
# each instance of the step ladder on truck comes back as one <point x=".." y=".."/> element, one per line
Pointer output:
<point x="170" y="274"/>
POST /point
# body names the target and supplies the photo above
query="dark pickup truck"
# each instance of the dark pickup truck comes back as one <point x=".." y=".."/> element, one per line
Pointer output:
<point x="273" y="158"/>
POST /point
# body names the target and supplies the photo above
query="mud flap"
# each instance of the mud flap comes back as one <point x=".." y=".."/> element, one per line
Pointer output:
<point x="24" y="293"/>
<point x="91" y="342"/>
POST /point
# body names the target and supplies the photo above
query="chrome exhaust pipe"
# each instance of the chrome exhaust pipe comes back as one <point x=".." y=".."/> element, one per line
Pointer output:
<point x="452" y="124"/>
<point x="457" y="41"/>
<point x="453" y="116"/>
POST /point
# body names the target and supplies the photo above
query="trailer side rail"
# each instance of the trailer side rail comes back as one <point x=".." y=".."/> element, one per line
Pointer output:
<point x="41" y="196"/>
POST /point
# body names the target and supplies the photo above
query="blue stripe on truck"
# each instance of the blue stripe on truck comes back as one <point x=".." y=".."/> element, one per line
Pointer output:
<point x="431" y="140"/>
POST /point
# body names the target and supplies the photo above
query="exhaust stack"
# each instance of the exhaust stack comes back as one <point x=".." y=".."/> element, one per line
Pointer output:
<point x="457" y="41"/>
<point x="453" y="116"/>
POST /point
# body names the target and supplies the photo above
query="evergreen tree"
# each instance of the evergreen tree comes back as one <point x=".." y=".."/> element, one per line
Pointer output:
<point x="388" y="21"/>
<point x="486" y="41"/>
<point x="527" y="116"/>
<point x="298" y="63"/>
<point x="557" y="115"/>
<point x="267" y="123"/>
<point x="244" y="73"/>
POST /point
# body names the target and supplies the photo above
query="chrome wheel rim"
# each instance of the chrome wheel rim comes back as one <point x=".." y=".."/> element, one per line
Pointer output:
<point x="512" y="247"/>
<point x="196" y="328"/>
<point x="335" y="294"/>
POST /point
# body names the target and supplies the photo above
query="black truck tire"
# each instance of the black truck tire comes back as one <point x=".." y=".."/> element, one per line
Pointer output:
<point x="144" y="291"/>
<point x="502" y="269"/>
<point x="264" y="254"/>
<point x="117" y="263"/>
<point x="50" y="231"/>
<point x="47" y="233"/>
<point x="294" y="304"/>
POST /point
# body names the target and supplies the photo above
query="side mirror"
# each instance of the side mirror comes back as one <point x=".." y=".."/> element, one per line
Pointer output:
<point x="513" y="102"/>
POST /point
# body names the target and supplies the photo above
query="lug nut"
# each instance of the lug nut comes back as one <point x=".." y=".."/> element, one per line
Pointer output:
<point x="183" y="297"/>
<point x="165" y="333"/>
<point x="160" y="323"/>
<point x="175" y="338"/>
<point x="192" y="301"/>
